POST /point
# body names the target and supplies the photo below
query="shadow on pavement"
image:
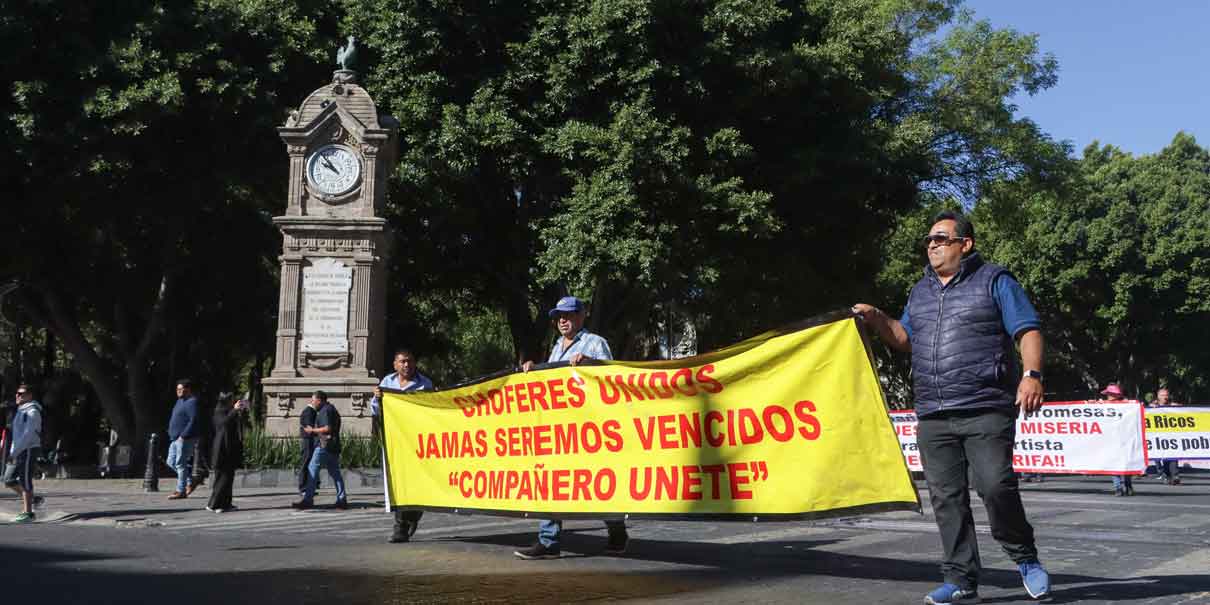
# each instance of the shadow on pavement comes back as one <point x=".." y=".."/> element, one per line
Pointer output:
<point x="28" y="574"/>
<point x="777" y="559"/>
<point x="125" y="512"/>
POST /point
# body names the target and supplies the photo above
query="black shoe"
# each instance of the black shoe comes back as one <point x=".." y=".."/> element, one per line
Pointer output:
<point x="341" y="504"/>
<point x="301" y="505"/>
<point x="403" y="532"/>
<point x="617" y="543"/>
<point x="538" y="551"/>
<point x="1119" y="492"/>
<point x="1129" y="490"/>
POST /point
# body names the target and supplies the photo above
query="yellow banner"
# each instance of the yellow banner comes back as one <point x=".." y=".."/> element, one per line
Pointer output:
<point x="1178" y="420"/>
<point x="789" y="424"/>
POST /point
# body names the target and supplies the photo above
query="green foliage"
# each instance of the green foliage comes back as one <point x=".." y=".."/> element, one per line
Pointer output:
<point x="1117" y="261"/>
<point x="735" y="164"/>
<point x="361" y="451"/>
<point x="682" y="158"/>
<point x="1112" y="249"/>
<point x="132" y="129"/>
<point x="263" y="451"/>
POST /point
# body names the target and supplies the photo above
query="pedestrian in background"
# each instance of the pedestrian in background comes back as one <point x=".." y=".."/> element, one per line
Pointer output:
<point x="26" y="441"/>
<point x="306" y="443"/>
<point x="182" y="435"/>
<point x="1169" y="468"/>
<point x="1122" y="484"/>
<point x="327" y="452"/>
<point x="963" y="323"/>
<point x="405" y="378"/>
<point x="226" y="450"/>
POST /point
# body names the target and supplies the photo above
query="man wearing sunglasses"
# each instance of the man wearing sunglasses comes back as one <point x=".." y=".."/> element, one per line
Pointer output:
<point x="26" y="440"/>
<point x="962" y="321"/>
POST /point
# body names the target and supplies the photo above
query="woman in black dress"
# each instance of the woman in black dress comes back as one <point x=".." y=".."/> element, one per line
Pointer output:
<point x="226" y="451"/>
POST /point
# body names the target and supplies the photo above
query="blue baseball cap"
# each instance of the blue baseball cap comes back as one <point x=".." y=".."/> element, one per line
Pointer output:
<point x="567" y="304"/>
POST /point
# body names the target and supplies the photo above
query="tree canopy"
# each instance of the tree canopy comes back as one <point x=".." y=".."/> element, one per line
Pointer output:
<point x="727" y="165"/>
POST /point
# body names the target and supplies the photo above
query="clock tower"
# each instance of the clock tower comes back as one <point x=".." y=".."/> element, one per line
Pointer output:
<point x="332" y="305"/>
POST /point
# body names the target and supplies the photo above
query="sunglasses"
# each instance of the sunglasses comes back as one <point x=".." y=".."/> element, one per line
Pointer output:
<point x="941" y="239"/>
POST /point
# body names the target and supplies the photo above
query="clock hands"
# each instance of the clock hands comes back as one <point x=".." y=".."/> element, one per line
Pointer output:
<point x="329" y="164"/>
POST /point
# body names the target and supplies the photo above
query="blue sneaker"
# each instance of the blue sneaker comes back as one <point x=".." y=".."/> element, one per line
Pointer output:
<point x="949" y="594"/>
<point x="1036" y="580"/>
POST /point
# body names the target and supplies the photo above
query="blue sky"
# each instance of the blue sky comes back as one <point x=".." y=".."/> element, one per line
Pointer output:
<point x="1131" y="74"/>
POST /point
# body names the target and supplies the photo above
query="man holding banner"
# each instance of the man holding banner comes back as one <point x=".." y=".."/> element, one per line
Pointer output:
<point x="406" y="379"/>
<point x="574" y="345"/>
<point x="961" y="321"/>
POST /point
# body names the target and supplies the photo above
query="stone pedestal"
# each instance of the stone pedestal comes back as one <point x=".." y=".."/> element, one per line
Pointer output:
<point x="333" y="264"/>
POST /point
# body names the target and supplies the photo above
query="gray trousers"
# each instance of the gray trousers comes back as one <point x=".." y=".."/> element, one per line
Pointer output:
<point x="981" y="440"/>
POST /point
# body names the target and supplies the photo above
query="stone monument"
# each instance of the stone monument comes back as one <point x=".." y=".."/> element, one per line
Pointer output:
<point x="333" y="265"/>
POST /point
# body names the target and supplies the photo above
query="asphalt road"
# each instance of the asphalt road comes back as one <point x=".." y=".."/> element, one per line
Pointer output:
<point x="108" y="542"/>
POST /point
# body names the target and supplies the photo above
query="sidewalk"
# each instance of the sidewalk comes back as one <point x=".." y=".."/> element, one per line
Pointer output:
<point x="119" y="502"/>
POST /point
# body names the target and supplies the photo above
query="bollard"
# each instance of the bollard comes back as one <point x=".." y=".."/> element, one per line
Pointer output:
<point x="151" y="481"/>
<point x="201" y="470"/>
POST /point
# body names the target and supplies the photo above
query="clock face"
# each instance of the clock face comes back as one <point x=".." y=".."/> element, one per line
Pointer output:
<point x="333" y="169"/>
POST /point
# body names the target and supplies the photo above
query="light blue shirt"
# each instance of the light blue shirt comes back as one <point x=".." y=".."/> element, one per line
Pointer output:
<point x="391" y="381"/>
<point x="584" y="342"/>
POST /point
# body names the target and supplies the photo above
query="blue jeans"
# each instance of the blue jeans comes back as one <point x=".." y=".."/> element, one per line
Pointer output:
<point x="549" y="530"/>
<point x="321" y="458"/>
<point x="180" y="458"/>
<point x="1121" y="482"/>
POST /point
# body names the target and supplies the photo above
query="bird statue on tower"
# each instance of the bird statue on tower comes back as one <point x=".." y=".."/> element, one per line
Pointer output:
<point x="345" y="55"/>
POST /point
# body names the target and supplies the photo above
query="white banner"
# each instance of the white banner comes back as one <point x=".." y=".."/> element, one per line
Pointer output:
<point x="905" y="430"/>
<point x="1181" y="433"/>
<point x="1071" y="437"/>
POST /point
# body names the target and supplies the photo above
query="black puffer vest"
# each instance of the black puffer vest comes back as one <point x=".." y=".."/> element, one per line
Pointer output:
<point x="962" y="357"/>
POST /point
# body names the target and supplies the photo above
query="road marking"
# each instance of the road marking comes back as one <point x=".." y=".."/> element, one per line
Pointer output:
<point x="273" y="520"/>
<point x="1118" y="534"/>
<point x="770" y="535"/>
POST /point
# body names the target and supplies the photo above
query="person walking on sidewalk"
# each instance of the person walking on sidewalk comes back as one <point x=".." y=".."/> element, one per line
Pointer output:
<point x="182" y="435"/>
<point x="573" y="345"/>
<point x="306" y="441"/>
<point x="406" y="378"/>
<point x="961" y="321"/>
<point x="327" y="452"/>
<point x="226" y="451"/>
<point x="26" y="441"/>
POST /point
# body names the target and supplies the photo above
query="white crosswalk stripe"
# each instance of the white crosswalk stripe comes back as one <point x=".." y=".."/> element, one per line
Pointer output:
<point x="352" y="524"/>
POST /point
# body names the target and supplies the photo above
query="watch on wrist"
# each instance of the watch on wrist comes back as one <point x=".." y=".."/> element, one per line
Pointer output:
<point x="1033" y="374"/>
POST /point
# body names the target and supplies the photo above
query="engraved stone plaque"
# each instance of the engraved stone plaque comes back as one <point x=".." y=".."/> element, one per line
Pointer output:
<point x="326" y="285"/>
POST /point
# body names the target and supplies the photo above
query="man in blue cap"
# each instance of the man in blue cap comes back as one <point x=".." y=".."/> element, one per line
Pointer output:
<point x="574" y="345"/>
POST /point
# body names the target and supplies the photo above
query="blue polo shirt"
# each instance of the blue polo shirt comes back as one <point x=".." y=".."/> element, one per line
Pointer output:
<point x="1016" y="312"/>
<point x="391" y="381"/>
<point x="584" y="342"/>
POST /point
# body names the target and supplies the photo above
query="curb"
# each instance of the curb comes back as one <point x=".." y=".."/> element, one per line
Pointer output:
<point x="273" y="477"/>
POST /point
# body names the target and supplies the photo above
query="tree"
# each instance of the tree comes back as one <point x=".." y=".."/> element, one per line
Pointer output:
<point x="138" y="204"/>
<point x="734" y="163"/>
<point x="1118" y="263"/>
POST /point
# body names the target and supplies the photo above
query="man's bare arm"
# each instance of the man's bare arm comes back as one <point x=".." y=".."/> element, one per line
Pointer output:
<point x="888" y="329"/>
